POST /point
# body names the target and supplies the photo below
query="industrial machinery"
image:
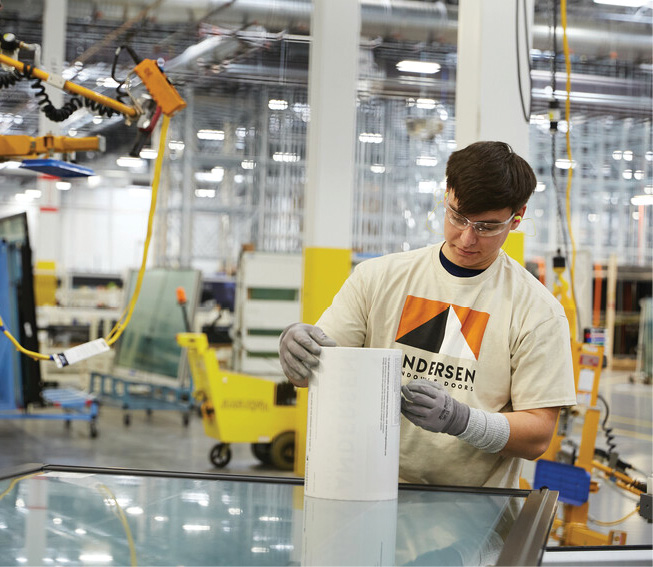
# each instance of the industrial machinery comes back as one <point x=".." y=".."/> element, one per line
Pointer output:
<point x="568" y="467"/>
<point x="159" y="97"/>
<point x="238" y="408"/>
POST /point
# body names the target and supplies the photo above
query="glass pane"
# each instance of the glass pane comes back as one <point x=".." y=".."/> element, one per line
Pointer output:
<point x="149" y="341"/>
<point x="75" y="518"/>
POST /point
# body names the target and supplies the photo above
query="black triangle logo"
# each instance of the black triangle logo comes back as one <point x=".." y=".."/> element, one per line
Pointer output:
<point x="428" y="336"/>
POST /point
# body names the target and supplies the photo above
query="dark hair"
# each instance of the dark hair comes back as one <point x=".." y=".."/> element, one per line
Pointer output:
<point x="488" y="176"/>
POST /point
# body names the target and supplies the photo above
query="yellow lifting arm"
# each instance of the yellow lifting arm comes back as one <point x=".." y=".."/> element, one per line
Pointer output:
<point x="71" y="87"/>
<point x="28" y="146"/>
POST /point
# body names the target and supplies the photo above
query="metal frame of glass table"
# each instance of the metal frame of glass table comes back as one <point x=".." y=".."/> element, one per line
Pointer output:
<point x="73" y="515"/>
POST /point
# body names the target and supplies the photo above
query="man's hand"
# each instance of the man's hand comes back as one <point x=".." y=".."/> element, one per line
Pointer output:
<point x="299" y="349"/>
<point x="429" y="406"/>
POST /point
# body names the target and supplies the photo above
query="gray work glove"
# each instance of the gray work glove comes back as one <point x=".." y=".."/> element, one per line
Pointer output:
<point x="299" y="349"/>
<point x="428" y="405"/>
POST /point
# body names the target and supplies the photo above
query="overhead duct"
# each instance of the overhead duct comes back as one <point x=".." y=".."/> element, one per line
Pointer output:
<point x="404" y="20"/>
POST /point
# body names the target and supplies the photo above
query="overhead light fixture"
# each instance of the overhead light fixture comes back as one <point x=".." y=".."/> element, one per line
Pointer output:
<point x="210" y="134"/>
<point x="539" y="187"/>
<point x="129" y="161"/>
<point x="623" y="3"/>
<point x="63" y="185"/>
<point x="107" y="82"/>
<point x="639" y="200"/>
<point x="564" y="163"/>
<point x="148" y="153"/>
<point x="425" y="103"/>
<point x="422" y="67"/>
<point x="277" y="104"/>
<point x="427" y="161"/>
<point x="214" y="176"/>
<point x="285" y="157"/>
<point x="377" y="168"/>
<point x="368" y="138"/>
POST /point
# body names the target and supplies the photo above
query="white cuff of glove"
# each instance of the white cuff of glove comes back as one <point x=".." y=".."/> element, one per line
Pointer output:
<point x="486" y="431"/>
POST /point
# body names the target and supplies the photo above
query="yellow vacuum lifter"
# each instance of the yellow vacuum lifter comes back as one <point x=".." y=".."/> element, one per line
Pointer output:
<point x="239" y="408"/>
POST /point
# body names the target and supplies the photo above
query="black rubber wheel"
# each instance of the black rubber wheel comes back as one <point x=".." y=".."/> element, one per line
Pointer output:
<point x="282" y="451"/>
<point x="126" y="419"/>
<point x="262" y="451"/>
<point x="220" y="455"/>
<point x="185" y="418"/>
<point x="93" y="430"/>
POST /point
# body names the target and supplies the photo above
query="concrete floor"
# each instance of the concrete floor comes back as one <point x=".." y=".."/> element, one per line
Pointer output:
<point x="162" y="442"/>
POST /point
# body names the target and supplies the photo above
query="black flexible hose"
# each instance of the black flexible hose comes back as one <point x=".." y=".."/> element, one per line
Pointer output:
<point x="9" y="78"/>
<point x="60" y="114"/>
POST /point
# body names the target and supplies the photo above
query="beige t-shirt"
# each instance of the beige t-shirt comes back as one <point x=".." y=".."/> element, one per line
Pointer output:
<point x="497" y="341"/>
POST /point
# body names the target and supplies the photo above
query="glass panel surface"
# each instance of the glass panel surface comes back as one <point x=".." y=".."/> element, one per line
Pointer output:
<point x="149" y="342"/>
<point x="79" y="518"/>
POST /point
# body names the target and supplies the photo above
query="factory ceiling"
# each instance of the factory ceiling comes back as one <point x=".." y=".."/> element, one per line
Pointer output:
<point x="219" y="48"/>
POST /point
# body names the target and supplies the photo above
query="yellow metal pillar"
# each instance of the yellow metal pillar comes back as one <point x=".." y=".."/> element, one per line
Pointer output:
<point x="330" y="173"/>
<point x="325" y="270"/>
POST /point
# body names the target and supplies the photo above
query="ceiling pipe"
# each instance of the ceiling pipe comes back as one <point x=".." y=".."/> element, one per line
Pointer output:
<point x="404" y="20"/>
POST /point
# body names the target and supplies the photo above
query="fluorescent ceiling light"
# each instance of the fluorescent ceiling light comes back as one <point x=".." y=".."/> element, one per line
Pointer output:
<point x="247" y="164"/>
<point x="63" y="185"/>
<point x="564" y="163"/>
<point x="425" y="103"/>
<point x="215" y="175"/>
<point x="427" y="161"/>
<point x="107" y="82"/>
<point x="210" y="134"/>
<point x="623" y="3"/>
<point x="638" y="200"/>
<point x="285" y="157"/>
<point x="368" y="138"/>
<point x="129" y="161"/>
<point x="276" y="104"/>
<point x="423" y="67"/>
<point x="539" y="187"/>
<point x="377" y="168"/>
<point x="205" y="193"/>
<point x="148" y="153"/>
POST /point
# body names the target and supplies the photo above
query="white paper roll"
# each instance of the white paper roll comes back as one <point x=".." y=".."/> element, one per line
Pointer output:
<point x="352" y="437"/>
<point x="339" y="532"/>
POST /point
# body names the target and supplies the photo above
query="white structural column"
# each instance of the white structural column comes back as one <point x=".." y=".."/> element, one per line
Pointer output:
<point x="53" y="49"/>
<point x="487" y="78"/>
<point x="332" y="85"/>
<point x="333" y="70"/>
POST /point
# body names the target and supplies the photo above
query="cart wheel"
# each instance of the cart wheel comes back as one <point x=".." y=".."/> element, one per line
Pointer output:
<point x="185" y="418"/>
<point x="126" y="419"/>
<point x="282" y="451"/>
<point x="93" y="430"/>
<point x="148" y="412"/>
<point x="67" y="424"/>
<point x="220" y="455"/>
<point x="262" y="451"/>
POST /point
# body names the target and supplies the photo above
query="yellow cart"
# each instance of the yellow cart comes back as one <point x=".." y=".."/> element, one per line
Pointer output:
<point x="238" y="408"/>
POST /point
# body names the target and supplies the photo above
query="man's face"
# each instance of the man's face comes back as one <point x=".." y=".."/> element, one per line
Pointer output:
<point x="464" y="247"/>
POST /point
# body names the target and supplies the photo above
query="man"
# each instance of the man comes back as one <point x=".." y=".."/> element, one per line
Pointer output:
<point x="486" y="348"/>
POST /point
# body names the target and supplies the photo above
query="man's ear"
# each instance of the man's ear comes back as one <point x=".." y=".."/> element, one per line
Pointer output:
<point x="519" y="216"/>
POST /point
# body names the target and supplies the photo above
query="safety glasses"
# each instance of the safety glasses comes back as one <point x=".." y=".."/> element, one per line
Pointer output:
<point x="482" y="228"/>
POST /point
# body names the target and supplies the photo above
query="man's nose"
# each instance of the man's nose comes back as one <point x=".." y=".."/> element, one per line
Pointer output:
<point x="468" y="236"/>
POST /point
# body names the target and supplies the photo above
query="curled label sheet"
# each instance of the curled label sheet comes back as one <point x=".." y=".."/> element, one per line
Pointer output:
<point x="352" y="437"/>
